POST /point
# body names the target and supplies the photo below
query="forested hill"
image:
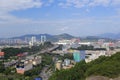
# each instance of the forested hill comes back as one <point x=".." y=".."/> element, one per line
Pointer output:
<point x="103" y="66"/>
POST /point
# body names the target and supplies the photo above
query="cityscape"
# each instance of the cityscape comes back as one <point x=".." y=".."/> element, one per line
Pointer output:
<point x="26" y="56"/>
<point x="59" y="39"/>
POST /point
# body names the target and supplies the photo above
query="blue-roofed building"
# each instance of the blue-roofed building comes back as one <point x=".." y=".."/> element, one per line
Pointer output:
<point x="38" y="78"/>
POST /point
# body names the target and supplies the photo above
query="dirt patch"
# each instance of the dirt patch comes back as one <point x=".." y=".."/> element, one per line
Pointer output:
<point x="117" y="78"/>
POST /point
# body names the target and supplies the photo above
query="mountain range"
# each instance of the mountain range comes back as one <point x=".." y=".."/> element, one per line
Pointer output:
<point x="48" y="36"/>
<point x="110" y="35"/>
<point x="107" y="36"/>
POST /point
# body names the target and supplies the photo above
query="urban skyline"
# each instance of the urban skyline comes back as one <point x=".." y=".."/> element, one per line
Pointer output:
<point x="76" y="17"/>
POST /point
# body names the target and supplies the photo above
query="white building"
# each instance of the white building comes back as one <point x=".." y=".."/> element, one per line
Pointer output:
<point x="92" y="55"/>
<point x="32" y="41"/>
<point x="43" y="39"/>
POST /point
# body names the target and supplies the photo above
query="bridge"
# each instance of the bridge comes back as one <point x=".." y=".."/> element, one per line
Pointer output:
<point x="48" y="50"/>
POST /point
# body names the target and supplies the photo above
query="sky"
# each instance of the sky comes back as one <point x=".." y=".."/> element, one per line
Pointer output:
<point x="76" y="17"/>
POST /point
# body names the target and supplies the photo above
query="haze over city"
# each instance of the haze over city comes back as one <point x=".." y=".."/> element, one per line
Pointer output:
<point x="76" y="17"/>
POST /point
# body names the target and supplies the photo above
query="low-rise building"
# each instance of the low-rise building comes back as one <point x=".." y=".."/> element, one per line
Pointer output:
<point x="28" y="64"/>
<point x="23" y="66"/>
<point x="58" y="65"/>
<point x="66" y="64"/>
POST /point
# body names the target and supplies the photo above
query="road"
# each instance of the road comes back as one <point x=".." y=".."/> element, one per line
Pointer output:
<point x="45" y="73"/>
<point x="44" y="51"/>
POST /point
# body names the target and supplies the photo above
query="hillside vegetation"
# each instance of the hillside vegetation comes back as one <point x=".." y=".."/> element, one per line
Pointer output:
<point x="103" y="66"/>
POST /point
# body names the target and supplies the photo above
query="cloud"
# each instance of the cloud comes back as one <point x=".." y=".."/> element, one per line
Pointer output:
<point x="75" y="3"/>
<point x="7" y="6"/>
<point x="10" y="5"/>
<point x="48" y="2"/>
<point x="115" y="2"/>
<point x="82" y="26"/>
<point x="89" y="3"/>
<point x="100" y="3"/>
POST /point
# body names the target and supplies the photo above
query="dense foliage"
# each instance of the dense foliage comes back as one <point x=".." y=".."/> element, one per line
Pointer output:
<point x="103" y="66"/>
<point x="10" y="52"/>
<point x="89" y="47"/>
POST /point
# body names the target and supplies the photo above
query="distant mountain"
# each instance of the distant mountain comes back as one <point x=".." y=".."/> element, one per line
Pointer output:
<point x="54" y="38"/>
<point x="38" y="36"/>
<point x="48" y="36"/>
<point x="64" y="36"/>
<point x="110" y="35"/>
<point x="90" y="38"/>
<point x="95" y="38"/>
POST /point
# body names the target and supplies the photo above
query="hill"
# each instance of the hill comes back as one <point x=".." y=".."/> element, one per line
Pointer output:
<point x="55" y="38"/>
<point x="110" y="35"/>
<point x="104" y="66"/>
<point x="64" y="36"/>
<point x="48" y="36"/>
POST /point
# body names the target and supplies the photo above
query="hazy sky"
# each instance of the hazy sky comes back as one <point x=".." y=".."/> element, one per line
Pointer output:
<point x="77" y="17"/>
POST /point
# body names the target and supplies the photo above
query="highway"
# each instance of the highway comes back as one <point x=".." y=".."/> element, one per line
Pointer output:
<point x="48" y="50"/>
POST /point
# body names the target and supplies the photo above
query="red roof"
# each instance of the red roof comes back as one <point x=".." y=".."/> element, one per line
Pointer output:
<point x="2" y="53"/>
<point x="20" y="55"/>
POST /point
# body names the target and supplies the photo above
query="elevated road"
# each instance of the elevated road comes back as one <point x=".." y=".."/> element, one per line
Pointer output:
<point x="48" y="50"/>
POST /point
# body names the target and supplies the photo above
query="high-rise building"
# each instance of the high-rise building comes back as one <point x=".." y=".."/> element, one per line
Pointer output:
<point x="43" y="38"/>
<point x="33" y="41"/>
<point x="78" y="56"/>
